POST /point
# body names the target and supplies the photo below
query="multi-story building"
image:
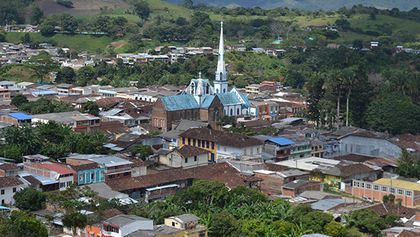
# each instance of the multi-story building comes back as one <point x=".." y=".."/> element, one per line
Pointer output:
<point x="77" y="121"/>
<point x="8" y="187"/>
<point x="8" y="170"/>
<point x="114" y="167"/>
<point x="185" y="157"/>
<point x="221" y="144"/>
<point x="123" y="225"/>
<point x="406" y="192"/>
<point x="87" y="172"/>
<point x="55" y="171"/>
<point x="17" y="118"/>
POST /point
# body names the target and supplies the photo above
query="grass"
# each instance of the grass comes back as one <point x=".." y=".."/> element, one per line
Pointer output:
<point x="363" y="22"/>
<point x="78" y="42"/>
<point x="20" y="73"/>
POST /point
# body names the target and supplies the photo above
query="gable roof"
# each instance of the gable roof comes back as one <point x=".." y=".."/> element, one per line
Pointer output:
<point x="9" y="181"/>
<point x="383" y="209"/>
<point x="228" y="98"/>
<point x="56" y="167"/>
<point x="221" y="138"/>
<point x="221" y="172"/>
<point x="179" y="102"/>
<point x="189" y="151"/>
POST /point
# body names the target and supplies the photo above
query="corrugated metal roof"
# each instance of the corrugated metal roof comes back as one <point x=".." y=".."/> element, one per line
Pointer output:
<point x="397" y="183"/>
<point x="179" y="102"/>
<point x="282" y="141"/>
<point x="20" y="116"/>
<point x="326" y="204"/>
<point x="228" y="98"/>
<point x="207" y="101"/>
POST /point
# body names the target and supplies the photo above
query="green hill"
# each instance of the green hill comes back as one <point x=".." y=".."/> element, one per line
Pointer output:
<point x="311" y="4"/>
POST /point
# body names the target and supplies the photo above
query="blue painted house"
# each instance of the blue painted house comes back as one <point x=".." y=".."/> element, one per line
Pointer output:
<point x="87" y="172"/>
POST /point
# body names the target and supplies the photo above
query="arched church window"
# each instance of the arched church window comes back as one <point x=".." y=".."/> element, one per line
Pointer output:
<point x="231" y="112"/>
<point x="224" y="90"/>
<point x="217" y="90"/>
<point x="221" y="76"/>
<point x="237" y="111"/>
<point x="207" y="89"/>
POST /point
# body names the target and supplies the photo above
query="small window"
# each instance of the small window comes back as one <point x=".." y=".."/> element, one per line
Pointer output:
<point x="368" y="186"/>
<point x="384" y="189"/>
<point x="2" y="191"/>
<point x="14" y="190"/>
<point x="173" y="223"/>
<point x="392" y="190"/>
<point x="376" y="187"/>
<point x="408" y="193"/>
<point x="400" y="191"/>
<point x="195" y="158"/>
<point x="186" y="160"/>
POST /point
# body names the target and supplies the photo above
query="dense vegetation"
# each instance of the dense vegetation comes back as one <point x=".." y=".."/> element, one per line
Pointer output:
<point x="238" y="212"/>
<point x="303" y="4"/>
<point x="50" y="139"/>
<point x="375" y="89"/>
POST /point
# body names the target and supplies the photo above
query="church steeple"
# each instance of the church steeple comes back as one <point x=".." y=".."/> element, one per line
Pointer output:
<point x="221" y="83"/>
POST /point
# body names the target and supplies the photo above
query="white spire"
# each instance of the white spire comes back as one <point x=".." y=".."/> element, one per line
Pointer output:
<point x="221" y="67"/>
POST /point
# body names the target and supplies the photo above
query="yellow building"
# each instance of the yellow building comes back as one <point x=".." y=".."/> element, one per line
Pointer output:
<point x="187" y="224"/>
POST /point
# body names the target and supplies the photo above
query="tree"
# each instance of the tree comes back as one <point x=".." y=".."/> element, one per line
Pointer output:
<point x="90" y="107"/>
<point x="26" y="38"/>
<point x="47" y="27"/>
<point x="223" y="225"/>
<point x="394" y="113"/>
<point x="66" y="75"/>
<point x="316" y="221"/>
<point x="42" y="64"/>
<point x="142" y="9"/>
<point x="68" y="23"/>
<point x="19" y="100"/>
<point x="26" y="225"/>
<point x="30" y="199"/>
<point x="367" y="221"/>
<point x="335" y="229"/>
<point x="36" y="15"/>
<point x="11" y="151"/>
<point x="75" y="220"/>
<point x="2" y="38"/>
<point x="85" y="75"/>
<point x="142" y="151"/>
<point x="188" y="4"/>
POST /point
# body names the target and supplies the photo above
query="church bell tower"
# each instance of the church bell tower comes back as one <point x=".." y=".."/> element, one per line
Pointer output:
<point x="220" y="82"/>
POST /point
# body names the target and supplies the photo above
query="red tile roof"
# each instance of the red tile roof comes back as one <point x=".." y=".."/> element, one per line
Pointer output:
<point x="222" y="138"/>
<point x="190" y="151"/>
<point x="59" y="168"/>
<point x="8" y="166"/>
<point x="221" y="172"/>
<point x="9" y="181"/>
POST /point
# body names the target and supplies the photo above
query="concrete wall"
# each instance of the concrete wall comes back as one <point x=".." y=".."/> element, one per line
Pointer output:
<point x="9" y="192"/>
<point x="369" y="147"/>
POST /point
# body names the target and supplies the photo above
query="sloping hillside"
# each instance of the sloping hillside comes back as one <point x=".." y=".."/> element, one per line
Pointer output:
<point x="311" y="4"/>
<point x="81" y="7"/>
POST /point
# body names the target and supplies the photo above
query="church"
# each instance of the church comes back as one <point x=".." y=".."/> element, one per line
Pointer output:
<point x="201" y="100"/>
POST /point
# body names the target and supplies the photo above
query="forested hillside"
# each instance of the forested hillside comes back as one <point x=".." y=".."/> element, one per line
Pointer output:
<point x="310" y="4"/>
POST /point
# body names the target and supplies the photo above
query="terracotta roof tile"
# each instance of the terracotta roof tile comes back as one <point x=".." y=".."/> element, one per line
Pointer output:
<point x="222" y="138"/>
<point x="354" y="158"/>
<point x="8" y="166"/>
<point x="189" y="151"/>
<point x="221" y="172"/>
<point x="9" y="182"/>
<point x="383" y="209"/>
